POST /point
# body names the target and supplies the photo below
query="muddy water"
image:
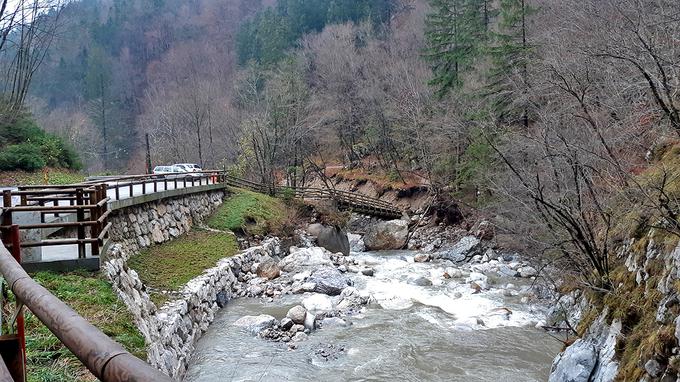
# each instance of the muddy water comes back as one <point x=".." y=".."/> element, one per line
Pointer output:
<point x="438" y="332"/>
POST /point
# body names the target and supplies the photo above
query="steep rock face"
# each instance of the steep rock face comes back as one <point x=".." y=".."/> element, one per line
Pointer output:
<point x="590" y="358"/>
<point x="637" y="330"/>
<point x="386" y="235"/>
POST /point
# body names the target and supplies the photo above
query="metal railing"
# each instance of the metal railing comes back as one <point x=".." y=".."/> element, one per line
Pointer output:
<point x="105" y="358"/>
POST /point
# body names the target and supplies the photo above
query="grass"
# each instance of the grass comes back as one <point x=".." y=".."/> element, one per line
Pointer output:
<point x="52" y="176"/>
<point x="170" y="265"/>
<point x="251" y="213"/>
<point x="92" y="297"/>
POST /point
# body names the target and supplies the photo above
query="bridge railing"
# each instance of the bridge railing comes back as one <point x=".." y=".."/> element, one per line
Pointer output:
<point x="105" y="358"/>
<point x="133" y="185"/>
<point x="87" y="207"/>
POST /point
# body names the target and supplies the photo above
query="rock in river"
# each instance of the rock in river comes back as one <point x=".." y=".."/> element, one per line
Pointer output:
<point x="317" y="303"/>
<point x="386" y="235"/>
<point x="297" y="314"/>
<point x="333" y="239"/>
<point x="255" y="324"/>
<point x="268" y="269"/>
<point x="329" y="281"/>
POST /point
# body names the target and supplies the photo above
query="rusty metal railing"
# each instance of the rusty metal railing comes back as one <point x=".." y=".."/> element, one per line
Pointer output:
<point x="105" y="358"/>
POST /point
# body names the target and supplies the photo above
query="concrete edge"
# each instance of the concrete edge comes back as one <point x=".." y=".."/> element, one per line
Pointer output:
<point x="142" y="199"/>
<point x="89" y="264"/>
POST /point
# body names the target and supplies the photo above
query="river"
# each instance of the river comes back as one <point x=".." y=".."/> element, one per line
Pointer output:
<point x="415" y="332"/>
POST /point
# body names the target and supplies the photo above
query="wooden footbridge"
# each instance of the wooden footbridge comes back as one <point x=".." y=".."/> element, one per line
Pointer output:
<point x="78" y="214"/>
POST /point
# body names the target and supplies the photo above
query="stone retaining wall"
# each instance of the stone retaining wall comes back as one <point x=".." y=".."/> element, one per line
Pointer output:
<point x="172" y="331"/>
<point x="140" y="226"/>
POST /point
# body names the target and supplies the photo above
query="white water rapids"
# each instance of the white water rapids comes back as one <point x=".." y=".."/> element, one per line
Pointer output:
<point x="415" y="332"/>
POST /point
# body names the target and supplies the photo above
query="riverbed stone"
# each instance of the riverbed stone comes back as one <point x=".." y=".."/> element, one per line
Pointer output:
<point x="255" y="324"/>
<point x="527" y="271"/>
<point x="297" y="314"/>
<point x="317" y="303"/>
<point x="268" y="269"/>
<point x="385" y="235"/>
<point x="302" y="258"/>
<point x="463" y="250"/>
<point x="334" y="239"/>
<point x="356" y="242"/>
<point x="329" y="281"/>
<point x="286" y="323"/>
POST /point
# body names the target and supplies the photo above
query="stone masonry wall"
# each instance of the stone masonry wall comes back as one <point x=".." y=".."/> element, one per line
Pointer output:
<point x="156" y="222"/>
<point x="172" y="331"/>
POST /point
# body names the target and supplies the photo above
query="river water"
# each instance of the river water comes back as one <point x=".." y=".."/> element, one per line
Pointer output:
<point x="415" y="332"/>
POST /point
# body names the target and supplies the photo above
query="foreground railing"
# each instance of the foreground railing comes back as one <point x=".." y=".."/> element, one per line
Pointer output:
<point x="105" y="358"/>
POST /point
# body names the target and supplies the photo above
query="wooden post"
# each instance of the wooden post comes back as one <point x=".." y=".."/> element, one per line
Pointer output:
<point x="95" y="197"/>
<point x="143" y="187"/>
<point x="7" y="205"/>
<point x="80" y="217"/>
<point x="21" y="334"/>
<point x="165" y="183"/>
<point x="131" y="188"/>
<point x="104" y="208"/>
<point x="155" y="185"/>
<point x="117" y="192"/>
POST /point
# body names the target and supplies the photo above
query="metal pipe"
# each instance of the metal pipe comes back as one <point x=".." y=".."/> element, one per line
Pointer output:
<point x="105" y="358"/>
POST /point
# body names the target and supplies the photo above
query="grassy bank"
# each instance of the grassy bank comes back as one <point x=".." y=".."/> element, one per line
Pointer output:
<point x="170" y="265"/>
<point x="251" y="213"/>
<point x="92" y="297"/>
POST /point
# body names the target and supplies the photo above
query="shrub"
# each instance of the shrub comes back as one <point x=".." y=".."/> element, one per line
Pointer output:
<point x="24" y="146"/>
<point x="24" y="156"/>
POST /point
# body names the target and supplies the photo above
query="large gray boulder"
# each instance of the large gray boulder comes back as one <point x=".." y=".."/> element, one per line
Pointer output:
<point x="329" y="281"/>
<point x="301" y="258"/>
<point x="386" y="235"/>
<point x="256" y="324"/>
<point x="333" y="239"/>
<point x="463" y="250"/>
<point x="575" y="364"/>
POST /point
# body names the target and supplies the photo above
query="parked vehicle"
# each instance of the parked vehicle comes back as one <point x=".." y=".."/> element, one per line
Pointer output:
<point x="160" y="170"/>
<point x="169" y="171"/>
<point x="190" y="167"/>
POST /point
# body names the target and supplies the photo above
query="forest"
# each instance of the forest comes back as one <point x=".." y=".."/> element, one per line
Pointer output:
<point x="554" y="116"/>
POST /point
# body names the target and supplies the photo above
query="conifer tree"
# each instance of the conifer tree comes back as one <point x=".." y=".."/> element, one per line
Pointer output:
<point x="511" y="56"/>
<point x="455" y="32"/>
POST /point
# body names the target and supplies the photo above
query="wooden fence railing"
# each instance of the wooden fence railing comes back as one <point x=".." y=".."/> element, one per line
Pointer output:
<point x="87" y="203"/>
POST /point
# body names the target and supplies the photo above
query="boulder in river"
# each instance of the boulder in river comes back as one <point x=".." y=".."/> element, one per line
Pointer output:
<point x="297" y="314"/>
<point x="356" y="242"/>
<point x="464" y="249"/>
<point x="268" y="269"/>
<point x="256" y="324"/>
<point x="333" y="239"/>
<point x="329" y="281"/>
<point x="301" y="258"/>
<point x="317" y="303"/>
<point x="387" y="235"/>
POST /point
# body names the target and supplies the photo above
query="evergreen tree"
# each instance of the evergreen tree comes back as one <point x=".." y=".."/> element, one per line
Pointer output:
<point x="511" y="55"/>
<point x="455" y="33"/>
